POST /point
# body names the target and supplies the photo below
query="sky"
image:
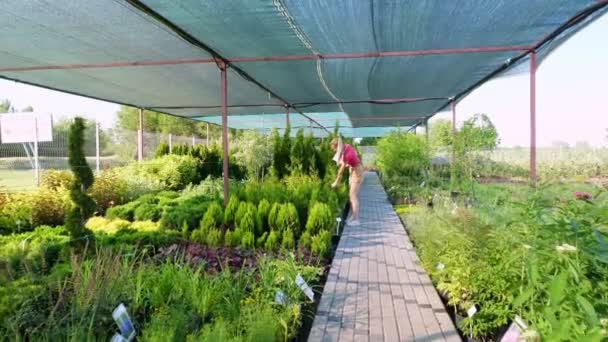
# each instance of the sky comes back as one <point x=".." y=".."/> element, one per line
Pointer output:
<point x="572" y="85"/>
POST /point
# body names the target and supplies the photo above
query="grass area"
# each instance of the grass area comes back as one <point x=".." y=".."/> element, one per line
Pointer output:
<point x="18" y="180"/>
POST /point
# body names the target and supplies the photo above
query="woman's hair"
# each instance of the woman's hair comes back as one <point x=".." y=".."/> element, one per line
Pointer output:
<point x="334" y="142"/>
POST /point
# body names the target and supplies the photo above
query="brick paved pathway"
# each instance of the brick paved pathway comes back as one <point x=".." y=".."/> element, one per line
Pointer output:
<point x="376" y="291"/>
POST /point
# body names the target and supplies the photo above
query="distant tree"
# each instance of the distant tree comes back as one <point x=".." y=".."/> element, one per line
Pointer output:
<point x="369" y="141"/>
<point x="6" y="107"/>
<point x="155" y="122"/>
<point x="28" y="109"/>
<point x="440" y="133"/>
<point x="62" y="127"/>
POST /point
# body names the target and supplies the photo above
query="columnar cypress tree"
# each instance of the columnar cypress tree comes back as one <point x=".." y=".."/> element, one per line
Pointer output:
<point x="83" y="204"/>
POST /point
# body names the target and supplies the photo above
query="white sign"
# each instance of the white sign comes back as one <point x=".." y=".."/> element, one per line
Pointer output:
<point x="121" y="317"/>
<point x="515" y="332"/>
<point x="472" y="311"/>
<point x="304" y="287"/>
<point x="279" y="297"/>
<point x="22" y="127"/>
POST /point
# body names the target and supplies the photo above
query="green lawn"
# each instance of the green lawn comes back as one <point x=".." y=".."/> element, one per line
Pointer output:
<point x="17" y="180"/>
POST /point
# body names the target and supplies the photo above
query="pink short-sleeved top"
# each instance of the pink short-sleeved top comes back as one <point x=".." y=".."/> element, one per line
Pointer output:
<point x="349" y="157"/>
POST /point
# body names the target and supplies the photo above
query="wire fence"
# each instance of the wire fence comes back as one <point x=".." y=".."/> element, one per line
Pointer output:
<point x="22" y="164"/>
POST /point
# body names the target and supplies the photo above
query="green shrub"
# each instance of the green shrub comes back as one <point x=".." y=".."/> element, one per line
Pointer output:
<point x="161" y="150"/>
<point x="189" y="212"/>
<point x="214" y="237"/>
<point x="305" y="240"/>
<point x="404" y="156"/>
<point x="261" y="240"/>
<point x="247" y="240"/>
<point x="145" y="226"/>
<point x="34" y="251"/>
<point x="246" y="212"/>
<point x="230" y="212"/>
<point x="288" y="241"/>
<point x="124" y="212"/>
<point x="108" y="190"/>
<point x="287" y="218"/>
<point x="56" y="179"/>
<point x="213" y="216"/>
<point x="273" y="214"/>
<point x="233" y="238"/>
<point x="261" y="220"/>
<point x="272" y="241"/>
<point x="321" y="244"/>
<point x="320" y="218"/>
<point x="84" y="206"/>
<point x="16" y="214"/>
<point x="147" y="211"/>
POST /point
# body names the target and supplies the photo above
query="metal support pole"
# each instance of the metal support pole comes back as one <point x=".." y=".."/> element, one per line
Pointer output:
<point x="36" y="162"/>
<point x="286" y="116"/>
<point x="207" y="142"/>
<point x="426" y="130"/>
<point x="533" y="118"/>
<point x="140" y="136"/>
<point x="170" y="143"/>
<point x="193" y="140"/>
<point x="97" y="153"/>
<point x="453" y="130"/>
<point x="224" y="91"/>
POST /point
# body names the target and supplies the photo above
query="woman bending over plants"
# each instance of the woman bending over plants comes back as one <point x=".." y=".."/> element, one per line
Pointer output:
<point x="346" y="156"/>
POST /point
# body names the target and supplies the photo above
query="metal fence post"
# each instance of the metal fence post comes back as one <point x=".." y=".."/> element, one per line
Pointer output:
<point x="170" y="143"/>
<point x="193" y="140"/>
<point x="140" y="136"/>
<point x="533" y="118"/>
<point x="36" y="161"/>
<point x="97" y="153"/>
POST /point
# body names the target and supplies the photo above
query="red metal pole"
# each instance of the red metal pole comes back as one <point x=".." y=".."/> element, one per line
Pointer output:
<point x="224" y="90"/>
<point x="533" y="118"/>
<point x="454" y="130"/>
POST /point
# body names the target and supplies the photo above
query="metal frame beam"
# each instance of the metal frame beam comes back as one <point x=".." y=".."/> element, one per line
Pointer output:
<point x="229" y="61"/>
<point x="533" y="118"/>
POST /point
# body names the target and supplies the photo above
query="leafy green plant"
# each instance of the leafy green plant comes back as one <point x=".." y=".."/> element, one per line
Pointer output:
<point x="321" y="244"/>
<point x="402" y="158"/>
<point x="288" y="240"/>
<point x="287" y="218"/>
<point x="230" y="211"/>
<point x="261" y="220"/>
<point x="320" y="218"/>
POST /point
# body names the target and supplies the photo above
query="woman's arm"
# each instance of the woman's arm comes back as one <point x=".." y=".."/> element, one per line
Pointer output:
<point x="339" y="176"/>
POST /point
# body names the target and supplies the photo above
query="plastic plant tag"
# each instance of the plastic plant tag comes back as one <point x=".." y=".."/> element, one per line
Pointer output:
<point x="121" y="317"/>
<point x="304" y="287"/>
<point x="472" y="311"/>
<point x="279" y="297"/>
<point x="338" y="220"/>
<point x="118" y="338"/>
<point x="515" y="331"/>
<point x="440" y="266"/>
<point x="422" y="184"/>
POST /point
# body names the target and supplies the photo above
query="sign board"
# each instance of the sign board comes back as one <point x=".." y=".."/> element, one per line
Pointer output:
<point x="21" y="127"/>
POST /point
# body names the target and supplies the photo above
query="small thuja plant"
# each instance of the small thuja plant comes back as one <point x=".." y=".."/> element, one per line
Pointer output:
<point x="83" y="204"/>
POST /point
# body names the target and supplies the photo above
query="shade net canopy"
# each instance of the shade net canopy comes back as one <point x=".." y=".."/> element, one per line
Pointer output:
<point x="160" y="54"/>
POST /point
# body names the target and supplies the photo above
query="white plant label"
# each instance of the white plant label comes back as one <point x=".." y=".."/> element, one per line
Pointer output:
<point x="118" y="338"/>
<point x="304" y="287"/>
<point x="515" y="331"/>
<point x="121" y="317"/>
<point x="472" y="311"/>
<point x="279" y="297"/>
<point x="440" y="266"/>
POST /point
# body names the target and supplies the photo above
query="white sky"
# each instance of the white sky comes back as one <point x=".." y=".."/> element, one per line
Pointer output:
<point x="571" y="86"/>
